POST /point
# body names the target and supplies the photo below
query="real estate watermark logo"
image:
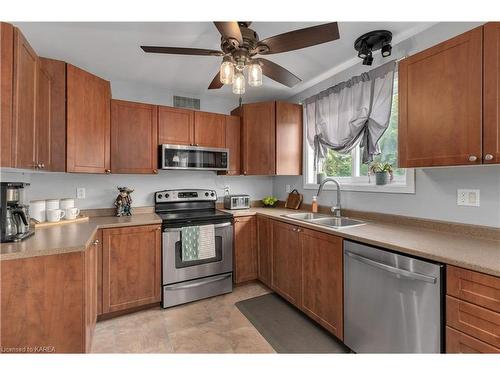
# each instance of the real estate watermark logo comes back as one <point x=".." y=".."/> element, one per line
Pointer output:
<point x="28" y="349"/>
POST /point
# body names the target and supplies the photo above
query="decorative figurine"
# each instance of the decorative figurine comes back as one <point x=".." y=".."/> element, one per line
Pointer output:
<point x="123" y="202"/>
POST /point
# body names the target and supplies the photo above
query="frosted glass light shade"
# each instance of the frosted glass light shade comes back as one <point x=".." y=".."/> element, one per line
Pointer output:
<point x="227" y="72"/>
<point x="255" y="75"/>
<point x="239" y="83"/>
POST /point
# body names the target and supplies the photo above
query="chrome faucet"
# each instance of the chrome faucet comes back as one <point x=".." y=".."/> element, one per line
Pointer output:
<point x="336" y="210"/>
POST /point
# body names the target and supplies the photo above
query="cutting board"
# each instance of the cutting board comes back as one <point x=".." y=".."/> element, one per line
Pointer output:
<point x="294" y="200"/>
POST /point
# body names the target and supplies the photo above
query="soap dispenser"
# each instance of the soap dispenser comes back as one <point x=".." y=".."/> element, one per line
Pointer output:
<point x="314" y="204"/>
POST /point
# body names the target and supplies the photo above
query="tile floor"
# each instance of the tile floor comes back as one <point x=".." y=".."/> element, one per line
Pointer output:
<point x="213" y="325"/>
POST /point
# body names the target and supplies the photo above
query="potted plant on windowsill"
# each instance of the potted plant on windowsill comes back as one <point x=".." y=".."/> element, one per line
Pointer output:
<point x="383" y="173"/>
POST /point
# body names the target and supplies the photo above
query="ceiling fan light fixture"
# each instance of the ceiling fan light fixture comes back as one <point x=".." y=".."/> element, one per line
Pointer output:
<point x="255" y="75"/>
<point x="227" y="72"/>
<point x="239" y="83"/>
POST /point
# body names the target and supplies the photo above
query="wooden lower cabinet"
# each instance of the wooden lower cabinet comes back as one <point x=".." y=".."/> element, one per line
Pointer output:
<point x="322" y="279"/>
<point x="245" y="249"/>
<point x="458" y="342"/>
<point x="91" y="295"/>
<point x="264" y="244"/>
<point x="131" y="267"/>
<point x="287" y="262"/>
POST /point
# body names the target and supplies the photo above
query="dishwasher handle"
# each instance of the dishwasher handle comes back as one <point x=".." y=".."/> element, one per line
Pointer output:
<point x="394" y="270"/>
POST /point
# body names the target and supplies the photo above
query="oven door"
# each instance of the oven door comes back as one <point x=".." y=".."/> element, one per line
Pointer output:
<point x="176" y="270"/>
<point x="196" y="158"/>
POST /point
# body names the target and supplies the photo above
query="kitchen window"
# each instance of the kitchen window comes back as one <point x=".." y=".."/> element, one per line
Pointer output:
<point x="352" y="174"/>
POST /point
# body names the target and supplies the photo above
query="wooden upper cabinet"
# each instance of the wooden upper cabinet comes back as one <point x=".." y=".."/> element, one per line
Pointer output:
<point x="264" y="244"/>
<point x="175" y="126"/>
<point x="233" y="142"/>
<point x="286" y="262"/>
<point x="6" y="92"/>
<point x="209" y="129"/>
<point x="288" y="139"/>
<point x="51" y="110"/>
<point x="88" y="122"/>
<point x="322" y="279"/>
<point x="134" y="132"/>
<point x="491" y="99"/>
<point x="440" y="106"/>
<point x="245" y="249"/>
<point x="24" y="105"/>
<point x="131" y="267"/>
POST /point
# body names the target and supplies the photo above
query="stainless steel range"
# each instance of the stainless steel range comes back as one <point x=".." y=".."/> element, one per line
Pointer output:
<point x="197" y="246"/>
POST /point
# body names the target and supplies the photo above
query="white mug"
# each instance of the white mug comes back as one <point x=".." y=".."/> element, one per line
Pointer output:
<point x="71" y="213"/>
<point x="37" y="210"/>
<point x="52" y="204"/>
<point x="55" y="215"/>
<point x="66" y="203"/>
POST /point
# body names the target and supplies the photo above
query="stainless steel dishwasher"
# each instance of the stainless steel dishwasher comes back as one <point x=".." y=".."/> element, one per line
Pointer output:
<point x="392" y="303"/>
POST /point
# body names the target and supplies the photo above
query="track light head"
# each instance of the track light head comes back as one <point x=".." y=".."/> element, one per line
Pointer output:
<point x="386" y="50"/>
<point x="368" y="60"/>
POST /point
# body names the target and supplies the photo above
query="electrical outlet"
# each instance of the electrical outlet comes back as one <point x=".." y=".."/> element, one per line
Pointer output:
<point x="288" y="188"/>
<point x="80" y="193"/>
<point x="468" y="197"/>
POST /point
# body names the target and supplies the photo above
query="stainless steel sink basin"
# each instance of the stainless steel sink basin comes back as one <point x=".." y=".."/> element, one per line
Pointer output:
<point x="306" y="216"/>
<point x="326" y="220"/>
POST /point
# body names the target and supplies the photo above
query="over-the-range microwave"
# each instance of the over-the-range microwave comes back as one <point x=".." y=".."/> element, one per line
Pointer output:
<point x="194" y="158"/>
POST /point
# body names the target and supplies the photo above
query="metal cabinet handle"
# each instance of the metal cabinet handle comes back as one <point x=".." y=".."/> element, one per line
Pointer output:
<point x="472" y="158"/>
<point x="488" y="157"/>
<point x="394" y="270"/>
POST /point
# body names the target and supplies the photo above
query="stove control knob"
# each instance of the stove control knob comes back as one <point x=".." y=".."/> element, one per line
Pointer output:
<point x="206" y="194"/>
<point x="212" y="194"/>
<point x="167" y="195"/>
<point x="160" y="196"/>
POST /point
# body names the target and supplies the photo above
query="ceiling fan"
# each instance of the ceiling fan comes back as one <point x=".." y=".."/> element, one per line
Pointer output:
<point x="240" y="46"/>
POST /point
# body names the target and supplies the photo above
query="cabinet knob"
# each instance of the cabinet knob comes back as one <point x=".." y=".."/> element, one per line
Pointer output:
<point x="42" y="165"/>
<point x="108" y="171"/>
<point x="35" y="165"/>
<point x="155" y="170"/>
<point x="96" y="242"/>
<point x="472" y="158"/>
<point x="488" y="157"/>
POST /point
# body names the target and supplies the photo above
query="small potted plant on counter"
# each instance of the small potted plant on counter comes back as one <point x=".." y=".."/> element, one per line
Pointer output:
<point x="270" y="201"/>
<point x="383" y="173"/>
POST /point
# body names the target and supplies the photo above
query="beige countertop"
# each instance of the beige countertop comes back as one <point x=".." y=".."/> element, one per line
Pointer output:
<point x="68" y="238"/>
<point x="476" y="253"/>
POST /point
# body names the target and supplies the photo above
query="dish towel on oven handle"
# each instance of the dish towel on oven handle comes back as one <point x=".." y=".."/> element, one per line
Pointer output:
<point x="198" y="242"/>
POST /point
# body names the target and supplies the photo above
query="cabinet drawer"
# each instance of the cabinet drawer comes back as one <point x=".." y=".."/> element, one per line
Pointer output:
<point x="476" y="321"/>
<point x="478" y="288"/>
<point x="458" y="342"/>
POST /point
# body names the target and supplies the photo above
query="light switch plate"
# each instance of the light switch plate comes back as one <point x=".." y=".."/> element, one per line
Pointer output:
<point x="288" y="188"/>
<point x="468" y="197"/>
<point x="80" y="193"/>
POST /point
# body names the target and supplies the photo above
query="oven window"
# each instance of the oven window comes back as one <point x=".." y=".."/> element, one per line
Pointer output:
<point x="175" y="158"/>
<point x="179" y="263"/>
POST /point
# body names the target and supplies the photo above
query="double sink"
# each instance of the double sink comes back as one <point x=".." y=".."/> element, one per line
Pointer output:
<point x="325" y="220"/>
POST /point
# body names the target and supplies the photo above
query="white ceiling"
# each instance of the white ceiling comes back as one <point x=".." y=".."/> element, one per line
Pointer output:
<point x="111" y="50"/>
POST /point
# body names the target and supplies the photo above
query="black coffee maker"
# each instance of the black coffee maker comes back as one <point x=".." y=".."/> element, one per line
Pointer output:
<point x="14" y="214"/>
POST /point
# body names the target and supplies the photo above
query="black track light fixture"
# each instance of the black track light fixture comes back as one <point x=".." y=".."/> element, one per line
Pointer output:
<point x="373" y="41"/>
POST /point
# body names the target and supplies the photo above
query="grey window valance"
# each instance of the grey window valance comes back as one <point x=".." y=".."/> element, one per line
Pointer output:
<point x="357" y="110"/>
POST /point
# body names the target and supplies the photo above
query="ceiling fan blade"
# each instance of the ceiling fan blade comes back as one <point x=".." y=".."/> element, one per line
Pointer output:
<point x="182" y="51"/>
<point x="302" y="38"/>
<point x="278" y="73"/>
<point x="230" y="30"/>
<point x="216" y="83"/>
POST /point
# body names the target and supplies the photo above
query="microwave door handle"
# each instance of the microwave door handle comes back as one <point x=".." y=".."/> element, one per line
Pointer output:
<point x="398" y="271"/>
<point x="222" y="225"/>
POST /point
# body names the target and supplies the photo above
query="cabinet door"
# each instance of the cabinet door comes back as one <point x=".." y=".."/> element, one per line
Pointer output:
<point x="264" y="236"/>
<point x="98" y="237"/>
<point x="56" y="71"/>
<point x="209" y="129"/>
<point x="322" y="279"/>
<point x="245" y="249"/>
<point x="258" y="139"/>
<point x="233" y="142"/>
<point x="288" y="139"/>
<point x="175" y="126"/>
<point x="286" y="262"/>
<point x="134" y="131"/>
<point x="88" y="122"/>
<point x="6" y="92"/>
<point x="491" y="100"/>
<point x="90" y="292"/>
<point x="440" y="107"/>
<point x="460" y="343"/>
<point x="131" y="267"/>
<point x="25" y="85"/>
<point x="43" y="124"/>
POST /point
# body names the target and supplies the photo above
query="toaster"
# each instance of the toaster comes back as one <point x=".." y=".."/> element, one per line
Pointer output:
<point x="236" y="202"/>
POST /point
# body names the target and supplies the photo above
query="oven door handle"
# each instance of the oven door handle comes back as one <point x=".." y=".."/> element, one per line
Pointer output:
<point x="199" y="283"/>
<point x="222" y="225"/>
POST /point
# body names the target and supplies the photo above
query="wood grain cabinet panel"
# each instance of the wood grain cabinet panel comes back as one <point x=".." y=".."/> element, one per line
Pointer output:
<point x="24" y="104"/>
<point x="43" y="120"/>
<point x="322" y="279"/>
<point x="460" y="343"/>
<point x="6" y="92"/>
<point x="233" y="143"/>
<point x="491" y="88"/>
<point x="287" y="262"/>
<point x="245" y="249"/>
<point x="288" y="139"/>
<point x="134" y="132"/>
<point x="98" y="238"/>
<point x="440" y="104"/>
<point x="131" y="267"/>
<point x="91" y="293"/>
<point x="88" y="122"/>
<point x="175" y="126"/>
<point x="209" y="129"/>
<point x="264" y="236"/>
